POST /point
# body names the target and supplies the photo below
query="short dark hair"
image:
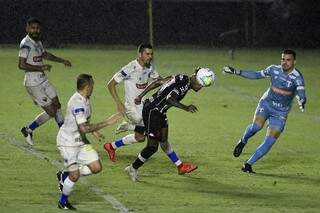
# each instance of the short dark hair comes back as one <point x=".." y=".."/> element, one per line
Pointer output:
<point x="289" y="52"/>
<point x="83" y="80"/>
<point x="33" y="20"/>
<point x="143" y="46"/>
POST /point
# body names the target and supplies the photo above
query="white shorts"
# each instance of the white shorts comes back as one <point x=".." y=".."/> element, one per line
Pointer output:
<point x="42" y="94"/>
<point x="78" y="155"/>
<point x="134" y="114"/>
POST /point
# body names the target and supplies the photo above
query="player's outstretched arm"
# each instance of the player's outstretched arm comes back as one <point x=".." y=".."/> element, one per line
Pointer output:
<point x="231" y="70"/>
<point x="150" y="87"/>
<point x="191" y="108"/>
<point x="51" y="57"/>
<point x="88" y="127"/>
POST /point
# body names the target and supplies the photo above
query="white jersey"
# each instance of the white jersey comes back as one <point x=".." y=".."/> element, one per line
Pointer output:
<point x="32" y="51"/>
<point x="136" y="79"/>
<point x="78" y="112"/>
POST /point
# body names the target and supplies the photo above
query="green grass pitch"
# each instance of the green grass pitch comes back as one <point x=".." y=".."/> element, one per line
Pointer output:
<point x="287" y="179"/>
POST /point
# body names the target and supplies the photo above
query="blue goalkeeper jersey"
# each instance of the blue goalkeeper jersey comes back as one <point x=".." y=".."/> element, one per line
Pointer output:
<point x="283" y="88"/>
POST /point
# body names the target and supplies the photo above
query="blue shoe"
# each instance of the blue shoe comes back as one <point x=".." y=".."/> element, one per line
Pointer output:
<point x="66" y="206"/>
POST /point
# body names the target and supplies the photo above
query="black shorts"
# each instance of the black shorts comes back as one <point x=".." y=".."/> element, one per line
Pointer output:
<point x="154" y="121"/>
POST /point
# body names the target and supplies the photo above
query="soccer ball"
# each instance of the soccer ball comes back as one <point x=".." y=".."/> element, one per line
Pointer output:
<point x="205" y="77"/>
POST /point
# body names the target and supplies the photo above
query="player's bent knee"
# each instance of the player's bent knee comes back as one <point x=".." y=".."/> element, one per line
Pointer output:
<point x="74" y="175"/>
<point x="95" y="167"/>
<point x="139" y="137"/>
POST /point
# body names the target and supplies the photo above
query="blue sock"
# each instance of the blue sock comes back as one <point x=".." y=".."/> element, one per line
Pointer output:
<point x="173" y="157"/>
<point x="119" y="143"/>
<point x="33" y="125"/>
<point x="262" y="149"/>
<point x="250" y="131"/>
<point x="63" y="198"/>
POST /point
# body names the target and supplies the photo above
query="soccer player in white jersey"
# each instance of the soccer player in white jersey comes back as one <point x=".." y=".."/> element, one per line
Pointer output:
<point x="136" y="76"/>
<point x="79" y="157"/>
<point x="36" y="81"/>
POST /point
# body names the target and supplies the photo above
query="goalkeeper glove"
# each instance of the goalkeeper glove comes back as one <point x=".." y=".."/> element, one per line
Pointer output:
<point x="301" y="103"/>
<point x="231" y="70"/>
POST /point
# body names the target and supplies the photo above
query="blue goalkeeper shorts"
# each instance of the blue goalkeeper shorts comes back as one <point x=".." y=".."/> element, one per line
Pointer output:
<point x="276" y="118"/>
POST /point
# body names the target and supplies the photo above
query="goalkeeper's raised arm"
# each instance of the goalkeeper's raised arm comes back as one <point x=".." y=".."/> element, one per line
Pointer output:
<point x="244" y="73"/>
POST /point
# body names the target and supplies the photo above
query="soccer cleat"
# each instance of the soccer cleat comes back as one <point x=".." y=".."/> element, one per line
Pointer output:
<point x="111" y="151"/>
<point x="132" y="172"/>
<point x="238" y="148"/>
<point x="27" y="133"/>
<point x="123" y="127"/>
<point x="60" y="181"/>
<point x="186" y="168"/>
<point x="66" y="206"/>
<point x="247" y="168"/>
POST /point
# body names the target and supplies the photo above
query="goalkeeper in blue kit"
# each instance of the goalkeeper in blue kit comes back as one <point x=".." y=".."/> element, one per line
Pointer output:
<point x="274" y="105"/>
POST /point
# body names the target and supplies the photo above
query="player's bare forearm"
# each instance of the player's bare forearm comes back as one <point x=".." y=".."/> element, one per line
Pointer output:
<point x="88" y="127"/>
<point x="177" y="104"/>
<point x="154" y="85"/>
<point x="112" y="89"/>
<point x="51" y="57"/>
<point x="23" y="65"/>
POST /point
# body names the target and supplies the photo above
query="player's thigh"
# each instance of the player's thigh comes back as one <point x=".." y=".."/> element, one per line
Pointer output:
<point x="39" y="95"/>
<point x="70" y="156"/>
<point x="134" y="114"/>
<point x="87" y="155"/>
<point x="261" y="114"/>
<point x="276" y="124"/>
<point x="155" y="121"/>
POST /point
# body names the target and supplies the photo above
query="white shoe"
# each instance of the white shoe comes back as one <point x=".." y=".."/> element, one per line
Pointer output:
<point x="123" y="127"/>
<point x="132" y="172"/>
<point x="27" y="133"/>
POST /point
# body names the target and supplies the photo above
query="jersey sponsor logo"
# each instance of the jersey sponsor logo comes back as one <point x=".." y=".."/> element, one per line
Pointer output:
<point x="37" y="58"/>
<point x="141" y="86"/>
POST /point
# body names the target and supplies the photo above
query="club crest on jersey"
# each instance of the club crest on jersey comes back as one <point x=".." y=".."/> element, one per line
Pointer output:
<point x="141" y="86"/>
<point x="289" y="83"/>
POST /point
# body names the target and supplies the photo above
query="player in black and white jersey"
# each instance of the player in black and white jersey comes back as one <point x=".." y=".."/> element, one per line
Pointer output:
<point x="173" y="89"/>
<point x="36" y="81"/>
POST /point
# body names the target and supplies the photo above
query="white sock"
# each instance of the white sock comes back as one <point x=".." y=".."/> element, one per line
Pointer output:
<point x="59" y="117"/>
<point x="129" y="139"/>
<point x="42" y="118"/>
<point x="85" y="170"/>
<point x="67" y="186"/>
<point x="131" y="127"/>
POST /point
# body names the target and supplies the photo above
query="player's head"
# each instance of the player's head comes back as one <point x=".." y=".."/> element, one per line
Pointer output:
<point x="85" y="84"/>
<point x="288" y="60"/>
<point x="145" y="54"/>
<point x="33" y="28"/>
<point x="202" y="77"/>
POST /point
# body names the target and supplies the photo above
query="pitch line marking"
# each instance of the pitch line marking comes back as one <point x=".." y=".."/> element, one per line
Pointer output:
<point x="107" y="197"/>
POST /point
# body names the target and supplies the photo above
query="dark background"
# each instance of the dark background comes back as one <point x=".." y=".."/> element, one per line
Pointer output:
<point x="205" y="23"/>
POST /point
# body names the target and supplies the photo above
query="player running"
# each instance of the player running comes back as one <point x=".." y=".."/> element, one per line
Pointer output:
<point x="78" y="155"/>
<point x="136" y="76"/>
<point x="275" y="104"/>
<point x="36" y="81"/>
